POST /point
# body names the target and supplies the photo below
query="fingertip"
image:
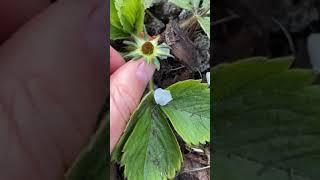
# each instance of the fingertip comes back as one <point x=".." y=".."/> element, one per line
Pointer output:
<point x="145" y="71"/>
<point x="127" y="85"/>
<point x="135" y="73"/>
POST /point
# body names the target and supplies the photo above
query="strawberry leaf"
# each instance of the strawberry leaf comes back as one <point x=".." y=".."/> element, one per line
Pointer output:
<point x="116" y="33"/>
<point x="266" y="120"/>
<point x="148" y="149"/>
<point x="205" y="24"/>
<point x="131" y="15"/>
<point x="185" y="4"/>
<point x="151" y="151"/>
<point x="114" y="18"/>
<point x="189" y="111"/>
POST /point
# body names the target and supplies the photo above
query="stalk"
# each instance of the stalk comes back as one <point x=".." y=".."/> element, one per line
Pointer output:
<point x="151" y="85"/>
<point x="187" y="22"/>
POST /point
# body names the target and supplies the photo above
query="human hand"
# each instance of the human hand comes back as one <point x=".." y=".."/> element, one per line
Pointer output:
<point x="127" y="84"/>
<point x="52" y="84"/>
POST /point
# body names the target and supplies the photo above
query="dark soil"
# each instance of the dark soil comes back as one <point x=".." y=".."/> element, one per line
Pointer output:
<point x="246" y="28"/>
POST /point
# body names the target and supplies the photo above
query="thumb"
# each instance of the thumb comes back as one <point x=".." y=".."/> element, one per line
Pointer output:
<point x="127" y="85"/>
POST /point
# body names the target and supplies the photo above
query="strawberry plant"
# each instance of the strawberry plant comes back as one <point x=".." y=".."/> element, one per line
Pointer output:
<point x="148" y="148"/>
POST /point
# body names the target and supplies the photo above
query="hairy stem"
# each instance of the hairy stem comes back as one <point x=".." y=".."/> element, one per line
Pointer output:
<point x="151" y="85"/>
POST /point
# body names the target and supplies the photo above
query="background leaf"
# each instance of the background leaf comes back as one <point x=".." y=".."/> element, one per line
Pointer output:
<point x="148" y="3"/>
<point x="267" y="120"/>
<point x="195" y="3"/>
<point x="116" y="33"/>
<point x="92" y="163"/>
<point x="114" y="18"/>
<point x="243" y="169"/>
<point x="151" y="151"/>
<point x="131" y="14"/>
<point x="184" y="4"/>
<point x="189" y="111"/>
<point x="205" y="24"/>
<point x="206" y="4"/>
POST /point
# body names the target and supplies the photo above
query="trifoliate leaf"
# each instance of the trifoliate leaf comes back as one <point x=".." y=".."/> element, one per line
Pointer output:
<point x="131" y="14"/>
<point x="92" y="163"/>
<point x="189" y="112"/>
<point x="148" y="148"/>
<point x="205" y="24"/>
<point x="162" y="97"/>
<point x="267" y="120"/>
<point x="185" y="4"/>
<point x="151" y="151"/>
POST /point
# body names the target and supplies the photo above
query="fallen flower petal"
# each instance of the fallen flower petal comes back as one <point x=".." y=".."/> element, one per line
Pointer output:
<point x="162" y="96"/>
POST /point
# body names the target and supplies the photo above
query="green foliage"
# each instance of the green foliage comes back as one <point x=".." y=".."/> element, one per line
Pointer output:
<point x="148" y="148"/>
<point x="126" y="18"/>
<point x="233" y="167"/>
<point x="266" y="121"/>
<point x="190" y="108"/>
<point x="206" y="4"/>
<point x="92" y="163"/>
<point x="148" y="3"/>
<point x="201" y="12"/>
<point x="151" y="151"/>
<point x="195" y="3"/>
<point x="205" y="24"/>
<point x="184" y="4"/>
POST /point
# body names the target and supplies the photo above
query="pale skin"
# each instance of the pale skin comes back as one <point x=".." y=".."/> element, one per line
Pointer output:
<point x="53" y="84"/>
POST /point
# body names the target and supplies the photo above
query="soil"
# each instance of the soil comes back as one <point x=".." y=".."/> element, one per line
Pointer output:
<point x="191" y="48"/>
<point x="274" y="28"/>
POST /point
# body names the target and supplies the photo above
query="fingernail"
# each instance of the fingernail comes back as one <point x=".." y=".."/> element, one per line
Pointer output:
<point x="97" y="36"/>
<point x="145" y="71"/>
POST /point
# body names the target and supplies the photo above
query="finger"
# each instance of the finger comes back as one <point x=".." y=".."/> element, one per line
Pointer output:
<point x="14" y="13"/>
<point x="127" y="85"/>
<point x="53" y="86"/>
<point x="116" y="60"/>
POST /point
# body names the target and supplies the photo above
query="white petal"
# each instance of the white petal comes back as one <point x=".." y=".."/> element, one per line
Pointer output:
<point x="162" y="97"/>
<point x="208" y="77"/>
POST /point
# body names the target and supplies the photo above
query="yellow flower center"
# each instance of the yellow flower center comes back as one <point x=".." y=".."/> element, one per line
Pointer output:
<point x="147" y="48"/>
